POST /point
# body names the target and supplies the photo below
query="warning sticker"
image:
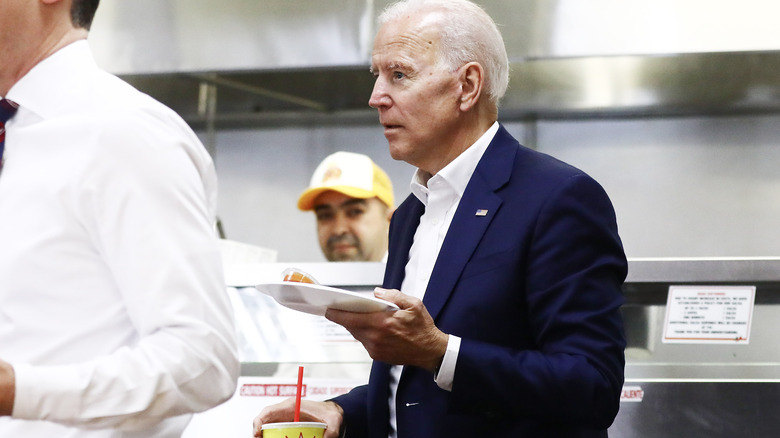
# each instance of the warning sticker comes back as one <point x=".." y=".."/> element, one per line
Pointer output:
<point x="632" y="394"/>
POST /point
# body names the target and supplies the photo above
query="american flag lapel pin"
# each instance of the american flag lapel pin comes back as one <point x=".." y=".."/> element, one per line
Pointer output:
<point x="482" y="212"/>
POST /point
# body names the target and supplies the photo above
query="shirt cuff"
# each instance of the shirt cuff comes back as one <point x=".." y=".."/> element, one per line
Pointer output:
<point x="37" y="391"/>
<point x="446" y="373"/>
<point x="24" y="400"/>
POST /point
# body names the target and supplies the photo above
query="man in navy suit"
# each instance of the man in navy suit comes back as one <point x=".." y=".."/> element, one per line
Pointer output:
<point x="505" y="263"/>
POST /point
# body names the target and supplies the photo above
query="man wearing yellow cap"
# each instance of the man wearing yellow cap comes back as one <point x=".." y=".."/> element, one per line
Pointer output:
<point x="352" y="199"/>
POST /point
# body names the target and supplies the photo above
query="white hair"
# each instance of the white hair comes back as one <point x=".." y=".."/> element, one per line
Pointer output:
<point x="468" y="34"/>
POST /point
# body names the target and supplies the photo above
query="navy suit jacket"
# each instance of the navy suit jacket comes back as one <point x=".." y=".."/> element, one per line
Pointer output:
<point x="533" y="288"/>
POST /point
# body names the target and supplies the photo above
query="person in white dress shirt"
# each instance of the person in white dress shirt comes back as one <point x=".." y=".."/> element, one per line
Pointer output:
<point x="114" y="321"/>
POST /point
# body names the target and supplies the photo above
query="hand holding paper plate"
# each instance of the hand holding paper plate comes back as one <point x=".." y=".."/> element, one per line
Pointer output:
<point x="300" y="291"/>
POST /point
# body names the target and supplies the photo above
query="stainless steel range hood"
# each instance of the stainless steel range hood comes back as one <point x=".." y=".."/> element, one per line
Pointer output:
<point x="281" y="61"/>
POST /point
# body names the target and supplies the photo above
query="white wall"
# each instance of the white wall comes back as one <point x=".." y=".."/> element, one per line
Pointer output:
<point x="682" y="187"/>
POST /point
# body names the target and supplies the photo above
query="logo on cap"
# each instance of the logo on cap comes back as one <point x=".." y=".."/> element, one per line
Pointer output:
<point x="333" y="173"/>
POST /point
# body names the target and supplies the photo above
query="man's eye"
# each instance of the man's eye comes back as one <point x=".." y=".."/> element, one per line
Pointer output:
<point x="398" y="75"/>
<point x="355" y="212"/>
<point x="321" y="217"/>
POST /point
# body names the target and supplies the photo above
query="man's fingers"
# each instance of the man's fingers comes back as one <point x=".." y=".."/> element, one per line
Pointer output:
<point x="396" y="297"/>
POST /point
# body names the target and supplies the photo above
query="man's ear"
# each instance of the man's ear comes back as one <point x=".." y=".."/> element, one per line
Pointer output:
<point x="472" y="78"/>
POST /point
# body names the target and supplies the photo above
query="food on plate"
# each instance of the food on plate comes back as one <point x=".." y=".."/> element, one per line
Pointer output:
<point x="298" y="276"/>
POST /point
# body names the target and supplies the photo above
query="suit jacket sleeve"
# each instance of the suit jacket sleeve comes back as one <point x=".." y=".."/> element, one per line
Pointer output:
<point x="354" y="404"/>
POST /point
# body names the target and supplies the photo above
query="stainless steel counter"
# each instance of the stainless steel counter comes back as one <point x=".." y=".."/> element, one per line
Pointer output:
<point x="671" y="390"/>
<point x="700" y="389"/>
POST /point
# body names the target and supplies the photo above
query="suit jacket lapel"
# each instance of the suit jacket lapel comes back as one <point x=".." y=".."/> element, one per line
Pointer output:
<point x="476" y="210"/>
<point x="402" y="228"/>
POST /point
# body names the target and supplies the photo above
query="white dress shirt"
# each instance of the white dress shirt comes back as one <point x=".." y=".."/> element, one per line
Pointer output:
<point x="113" y="309"/>
<point x="440" y="194"/>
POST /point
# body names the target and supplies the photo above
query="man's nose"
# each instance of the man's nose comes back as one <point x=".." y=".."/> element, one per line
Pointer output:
<point x="379" y="96"/>
<point x="341" y="224"/>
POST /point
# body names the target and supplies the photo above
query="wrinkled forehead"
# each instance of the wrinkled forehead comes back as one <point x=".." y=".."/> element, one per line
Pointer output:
<point x="411" y="37"/>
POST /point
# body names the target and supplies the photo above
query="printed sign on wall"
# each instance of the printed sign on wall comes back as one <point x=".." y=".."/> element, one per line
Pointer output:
<point x="709" y="314"/>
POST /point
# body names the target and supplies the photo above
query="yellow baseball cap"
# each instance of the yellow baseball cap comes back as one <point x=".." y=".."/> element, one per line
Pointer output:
<point x="354" y="175"/>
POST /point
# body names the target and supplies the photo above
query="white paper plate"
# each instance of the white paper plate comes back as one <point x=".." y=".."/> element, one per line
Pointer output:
<point x="316" y="299"/>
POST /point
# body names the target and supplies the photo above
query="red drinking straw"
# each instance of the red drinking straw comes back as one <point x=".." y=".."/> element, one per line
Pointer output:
<point x="298" y="395"/>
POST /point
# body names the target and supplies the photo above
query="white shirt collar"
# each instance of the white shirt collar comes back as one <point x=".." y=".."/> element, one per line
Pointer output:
<point x="39" y="93"/>
<point x="458" y="172"/>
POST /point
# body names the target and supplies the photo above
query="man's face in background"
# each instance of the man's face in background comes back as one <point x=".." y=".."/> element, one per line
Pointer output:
<point x="351" y="229"/>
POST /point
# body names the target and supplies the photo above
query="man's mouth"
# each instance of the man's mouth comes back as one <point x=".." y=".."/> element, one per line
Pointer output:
<point x="388" y="125"/>
<point x="342" y="243"/>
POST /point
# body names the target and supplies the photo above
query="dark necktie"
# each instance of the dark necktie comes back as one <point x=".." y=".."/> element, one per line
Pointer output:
<point x="7" y="110"/>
